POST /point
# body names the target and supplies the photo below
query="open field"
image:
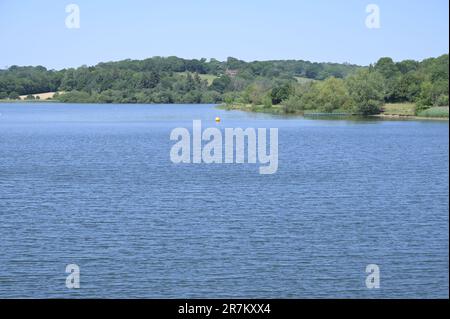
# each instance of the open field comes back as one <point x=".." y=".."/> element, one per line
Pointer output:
<point x="40" y="96"/>
<point x="401" y="109"/>
<point x="303" y="80"/>
<point x="208" y="77"/>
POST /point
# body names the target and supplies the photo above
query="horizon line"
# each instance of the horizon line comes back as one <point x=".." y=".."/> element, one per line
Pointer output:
<point x="6" y="67"/>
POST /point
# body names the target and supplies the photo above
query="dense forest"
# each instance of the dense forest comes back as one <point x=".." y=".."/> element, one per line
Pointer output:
<point x="160" y="80"/>
<point x="368" y="89"/>
<point x="293" y="85"/>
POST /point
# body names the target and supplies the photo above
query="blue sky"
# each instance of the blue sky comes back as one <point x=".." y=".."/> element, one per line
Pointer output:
<point x="33" y="32"/>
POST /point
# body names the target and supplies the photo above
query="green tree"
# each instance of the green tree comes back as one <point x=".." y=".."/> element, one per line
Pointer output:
<point x="366" y="88"/>
<point x="386" y="67"/>
<point x="281" y="93"/>
<point x="333" y="94"/>
<point x="255" y="94"/>
<point x="293" y="104"/>
<point x="267" y="101"/>
<point x="13" y="96"/>
<point x="221" y="84"/>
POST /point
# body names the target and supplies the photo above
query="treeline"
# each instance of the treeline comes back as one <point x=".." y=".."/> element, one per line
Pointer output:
<point x="362" y="92"/>
<point x="293" y="86"/>
<point x="160" y="80"/>
<point x="26" y="80"/>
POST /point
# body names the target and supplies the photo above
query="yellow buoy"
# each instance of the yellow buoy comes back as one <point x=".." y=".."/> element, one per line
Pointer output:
<point x="218" y="119"/>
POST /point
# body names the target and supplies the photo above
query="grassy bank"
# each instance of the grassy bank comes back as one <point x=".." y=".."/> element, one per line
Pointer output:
<point x="394" y="110"/>
<point x="28" y="101"/>
<point x="408" y="110"/>
<point x="276" y="109"/>
<point x="400" y="109"/>
<point x="435" y="112"/>
<point x="37" y="97"/>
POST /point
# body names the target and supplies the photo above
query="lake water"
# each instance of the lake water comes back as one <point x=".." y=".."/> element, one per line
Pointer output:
<point x="93" y="185"/>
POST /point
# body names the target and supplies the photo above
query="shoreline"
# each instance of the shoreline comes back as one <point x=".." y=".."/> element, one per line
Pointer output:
<point x="408" y="117"/>
<point x="278" y="111"/>
<point x="274" y="110"/>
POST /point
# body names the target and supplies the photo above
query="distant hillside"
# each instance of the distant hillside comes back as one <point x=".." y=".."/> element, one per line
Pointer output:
<point x="161" y="80"/>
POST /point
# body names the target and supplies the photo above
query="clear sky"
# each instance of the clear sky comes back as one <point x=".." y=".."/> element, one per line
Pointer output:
<point x="33" y="32"/>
